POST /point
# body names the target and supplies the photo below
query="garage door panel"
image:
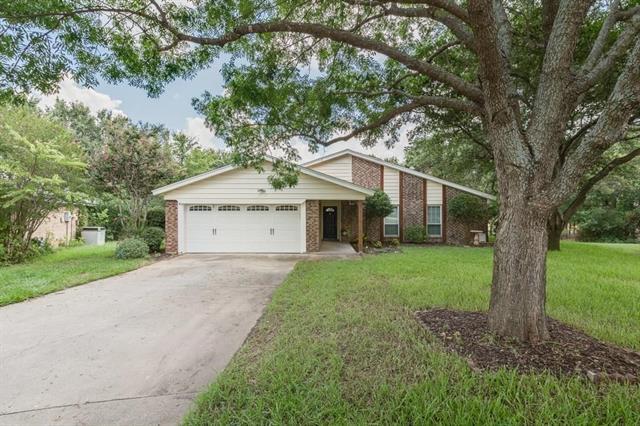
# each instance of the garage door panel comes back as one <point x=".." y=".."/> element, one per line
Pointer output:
<point x="242" y="228"/>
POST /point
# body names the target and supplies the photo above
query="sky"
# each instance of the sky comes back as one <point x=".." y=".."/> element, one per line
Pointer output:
<point x="173" y="109"/>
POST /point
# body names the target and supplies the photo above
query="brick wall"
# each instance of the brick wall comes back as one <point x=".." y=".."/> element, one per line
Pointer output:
<point x="171" y="226"/>
<point x="366" y="173"/>
<point x="313" y="225"/>
<point x="370" y="175"/>
<point x="349" y="220"/>
<point x="459" y="232"/>
<point x="412" y="201"/>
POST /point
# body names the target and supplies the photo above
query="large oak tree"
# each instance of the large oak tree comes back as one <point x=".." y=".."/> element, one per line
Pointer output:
<point x="381" y="65"/>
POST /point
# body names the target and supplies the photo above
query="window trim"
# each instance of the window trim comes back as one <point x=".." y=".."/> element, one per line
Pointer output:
<point x="396" y="223"/>
<point x="200" y="208"/>
<point x="439" y="223"/>
<point x="286" y="208"/>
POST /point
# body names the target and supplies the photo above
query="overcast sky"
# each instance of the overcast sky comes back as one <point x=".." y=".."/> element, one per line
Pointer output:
<point x="173" y="109"/>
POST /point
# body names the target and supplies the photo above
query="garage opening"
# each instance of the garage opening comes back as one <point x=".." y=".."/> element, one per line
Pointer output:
<point x="255" y="228"/>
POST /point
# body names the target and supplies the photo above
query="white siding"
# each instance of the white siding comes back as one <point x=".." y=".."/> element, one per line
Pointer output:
<point x="248" y="186"/>
<point x="340" y="167"/>
<point x="392" y="184"/>
<point x="434" y="193"/>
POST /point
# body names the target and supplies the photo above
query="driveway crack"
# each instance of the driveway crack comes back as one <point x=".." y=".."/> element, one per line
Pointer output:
<point x="102" y="401"/>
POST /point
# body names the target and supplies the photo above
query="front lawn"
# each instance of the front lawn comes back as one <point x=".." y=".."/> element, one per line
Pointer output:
<point x="339" y="344"/>
<point x="66" y="267"/>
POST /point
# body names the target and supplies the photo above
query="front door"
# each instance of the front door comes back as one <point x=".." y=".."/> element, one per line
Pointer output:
<point x="330" y="223"/>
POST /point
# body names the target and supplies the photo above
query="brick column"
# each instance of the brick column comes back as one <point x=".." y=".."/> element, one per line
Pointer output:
<point x="413" y="201"/>
<point x="360" y="205"/>
<point x="313" y="225"/>
<point x="171" y="226"/>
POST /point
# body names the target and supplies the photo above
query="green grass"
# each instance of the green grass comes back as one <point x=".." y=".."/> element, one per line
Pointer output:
<point x="338" y="344"/>
<point x="65" y="267"/>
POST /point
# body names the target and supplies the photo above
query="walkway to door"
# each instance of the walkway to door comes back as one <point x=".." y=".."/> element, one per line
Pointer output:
<point x="336" y="248"/>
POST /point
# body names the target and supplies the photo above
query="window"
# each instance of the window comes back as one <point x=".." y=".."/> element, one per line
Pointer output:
<point x="391" y="224"/>
<point x="434" y="221"/>
<point x="258" y="208"/>
<point x="200" y="208"/>
<point x="287" y="208"/>
<point x="228" y="208"/>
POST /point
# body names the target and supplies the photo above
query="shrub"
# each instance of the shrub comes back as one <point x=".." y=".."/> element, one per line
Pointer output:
<point x="106" y="213"/>
<point x="395" y="242"/>
<point x="153" y="236"/>
<point x="468" y="208"/>
<point x="378" y="205"/>
<point x="606" y="225"/>
<point x="415" y="234"/>
<point x="155" y="217"/>
<point x="39" y="247"/>
<point x="131" y="248"/>
<point x="377" y="244"/>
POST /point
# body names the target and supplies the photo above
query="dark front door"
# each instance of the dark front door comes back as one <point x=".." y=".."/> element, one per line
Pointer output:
<point x="330" y="223"/>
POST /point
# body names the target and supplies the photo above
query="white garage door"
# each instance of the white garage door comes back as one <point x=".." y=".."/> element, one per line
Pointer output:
<point x="232" y="228"/>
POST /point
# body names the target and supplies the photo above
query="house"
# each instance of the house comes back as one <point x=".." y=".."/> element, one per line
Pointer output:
<point x="233" y="209"/>
<point x="59" y="227"/>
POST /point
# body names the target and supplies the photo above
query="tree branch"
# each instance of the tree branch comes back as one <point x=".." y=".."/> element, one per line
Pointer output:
<point x="434" y="72"/>
<point x="389" y="115"/>
<point x="553" y="100"/>
<point x="475" y="140"/>
<point x="501" y="111"/>
<point x="576" y="137"/>
<point x="591" y="182"/>
<point x="320" y="30"/>
<point x="447" y="5"/>
<point x="598" y="44"/>
<point x="549" y="12"/>
<point x="590" y="76"/>
<point x="456" y="26"/>
<point x="442" y="49"/>
<point x="623" y="103"/>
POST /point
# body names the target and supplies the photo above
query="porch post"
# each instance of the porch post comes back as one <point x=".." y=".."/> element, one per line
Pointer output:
<point x="360" y="227"/>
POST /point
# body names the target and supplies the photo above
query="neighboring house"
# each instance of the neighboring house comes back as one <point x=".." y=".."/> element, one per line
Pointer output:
<point x="59" y="227"/>
<point x="232" y="209"/>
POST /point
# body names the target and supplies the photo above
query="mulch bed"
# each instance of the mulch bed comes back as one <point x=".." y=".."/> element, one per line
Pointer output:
<point x="382" y="250"/>
<point x="568" y="352"/>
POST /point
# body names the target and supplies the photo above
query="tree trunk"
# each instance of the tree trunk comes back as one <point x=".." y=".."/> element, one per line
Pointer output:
<point x="555" y="226"/>
<point x="517" y="307"/>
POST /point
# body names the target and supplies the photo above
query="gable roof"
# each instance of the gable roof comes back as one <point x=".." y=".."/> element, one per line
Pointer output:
<point x="220" y="170"/>
<point x="400" y="168"/>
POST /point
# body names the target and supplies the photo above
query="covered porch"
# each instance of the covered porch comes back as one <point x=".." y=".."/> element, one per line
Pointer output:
<point x="338" y="225"/>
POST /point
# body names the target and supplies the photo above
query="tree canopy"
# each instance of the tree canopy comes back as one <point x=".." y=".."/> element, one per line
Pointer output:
<point x="41" y="170"/>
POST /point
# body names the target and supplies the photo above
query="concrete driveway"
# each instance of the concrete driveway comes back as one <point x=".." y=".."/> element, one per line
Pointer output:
<point x="132" y="349"/>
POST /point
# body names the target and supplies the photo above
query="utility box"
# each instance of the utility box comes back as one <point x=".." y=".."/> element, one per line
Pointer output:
<point x="93" y="235"/>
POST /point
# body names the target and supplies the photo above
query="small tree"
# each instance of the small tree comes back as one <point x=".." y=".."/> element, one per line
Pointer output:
<point x="468" y="209"/>
<point x="132" y="162"/>
<point x="199" y="160"/>
<point x="41" y="170"/>
<point x="77" y="118"/>
<point x="377" y="205"/>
